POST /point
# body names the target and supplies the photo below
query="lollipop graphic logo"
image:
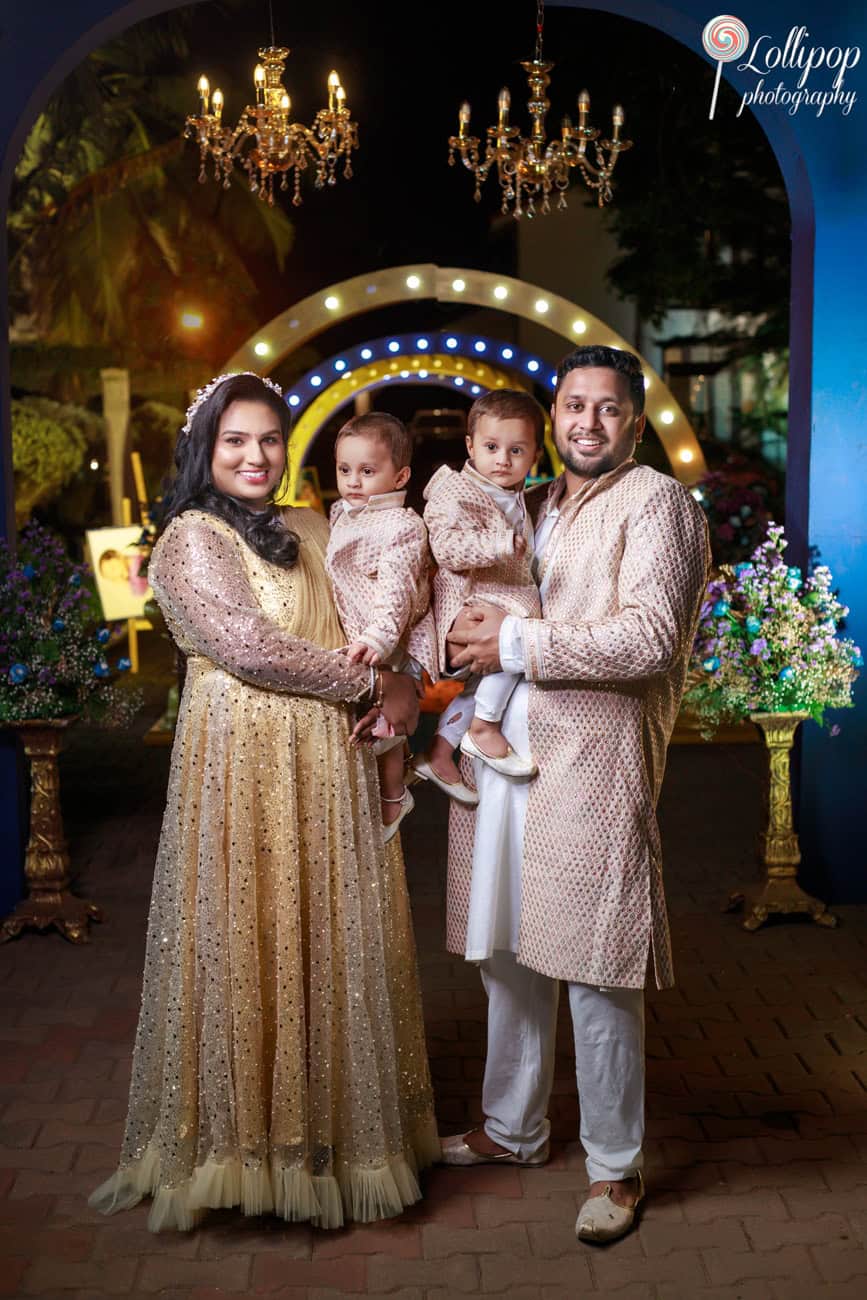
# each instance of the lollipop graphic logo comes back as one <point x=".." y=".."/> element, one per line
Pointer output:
<point x="725" y="39"/>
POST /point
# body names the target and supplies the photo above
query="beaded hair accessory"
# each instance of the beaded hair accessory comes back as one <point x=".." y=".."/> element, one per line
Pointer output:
<point x="203" y="394"/>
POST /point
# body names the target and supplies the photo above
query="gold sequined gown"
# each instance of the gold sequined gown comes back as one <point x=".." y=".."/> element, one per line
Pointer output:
<point x="279" y="1062"/>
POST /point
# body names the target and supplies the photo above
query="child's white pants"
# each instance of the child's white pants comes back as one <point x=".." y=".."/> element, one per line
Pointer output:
<point x="482" y="697"/>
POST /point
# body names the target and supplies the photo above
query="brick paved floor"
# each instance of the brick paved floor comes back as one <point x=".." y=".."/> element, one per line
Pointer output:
<point x="757" y="1106"/>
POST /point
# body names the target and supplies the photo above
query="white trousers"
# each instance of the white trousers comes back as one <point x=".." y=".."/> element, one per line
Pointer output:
<point x="608" y="1026"/>
<point x="485" y="697"/>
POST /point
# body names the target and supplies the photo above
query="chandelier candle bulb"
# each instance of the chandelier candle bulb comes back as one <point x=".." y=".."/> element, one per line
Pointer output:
<point x="218" y="103"/>
<point x="463" y="119"/>
<point x="618" y="119"/>
<point x="583" y="109"/>
<point x="204" y="89"/>
<point x="333" y="83"/>
<point x="503" y="104"/>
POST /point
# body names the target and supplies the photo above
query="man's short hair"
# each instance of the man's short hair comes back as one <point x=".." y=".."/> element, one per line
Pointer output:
<point x="598" y="355"/>
<point x="508" y="404"/>
<point x="387" y="429"/>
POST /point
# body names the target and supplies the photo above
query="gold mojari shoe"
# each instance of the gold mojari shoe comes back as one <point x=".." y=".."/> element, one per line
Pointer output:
<point x="456" y="1151"/>
<point x="601" y="1219"/>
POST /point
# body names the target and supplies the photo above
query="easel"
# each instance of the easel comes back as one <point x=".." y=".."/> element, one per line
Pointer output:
<point x="136" y="625"/>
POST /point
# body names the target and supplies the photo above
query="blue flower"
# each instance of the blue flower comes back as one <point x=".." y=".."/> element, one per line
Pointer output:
<point x="58" y="625"/>
<point x="786" y="674"/>
<point x="123" y="664"/>
<point x="741" y="569"/>
<point x="795" y="572"/>
<point x="101" y="669"/>
<point x="753" y="624"/>
<point x="857" y="658"/>
<point x="711" y="665"/>
<point x="721" y="608"/>
<point x="75" y="580"/>
<point x="102" y="635"/>
<point x="17" y="674"/>
<point x="793" y="583"/>
<point x="28" y="571"/>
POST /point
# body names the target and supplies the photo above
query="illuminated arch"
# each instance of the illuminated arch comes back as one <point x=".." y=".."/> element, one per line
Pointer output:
<point x="441" y="356"/>
<point x="364" y="293"/>
<point x="432" y="367"/>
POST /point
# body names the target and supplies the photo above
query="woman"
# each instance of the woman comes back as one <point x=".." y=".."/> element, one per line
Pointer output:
<point x="279" y="1061"/>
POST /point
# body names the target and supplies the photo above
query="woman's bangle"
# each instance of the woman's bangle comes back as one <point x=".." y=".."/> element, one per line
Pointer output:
<point x="380" y="689"/>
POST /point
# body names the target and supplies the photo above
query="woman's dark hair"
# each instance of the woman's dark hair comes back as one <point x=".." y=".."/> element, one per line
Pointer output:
<point x="193" y="489"/>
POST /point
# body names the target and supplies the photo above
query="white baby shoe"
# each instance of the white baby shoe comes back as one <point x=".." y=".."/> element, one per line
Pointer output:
<point x="511" y="765"/>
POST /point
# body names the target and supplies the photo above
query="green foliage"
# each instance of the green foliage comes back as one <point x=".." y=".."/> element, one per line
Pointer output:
<point x="108" y="225"/>
<point x="153" y="428"/>
<point x="46" y="454"/>
<point x="76" y="420"/>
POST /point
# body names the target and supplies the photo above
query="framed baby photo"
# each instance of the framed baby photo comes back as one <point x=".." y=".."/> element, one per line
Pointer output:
<point x="116" y="561"/>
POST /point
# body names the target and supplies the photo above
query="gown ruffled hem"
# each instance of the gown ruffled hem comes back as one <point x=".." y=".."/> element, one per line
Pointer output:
<point x="292" y="1193"/>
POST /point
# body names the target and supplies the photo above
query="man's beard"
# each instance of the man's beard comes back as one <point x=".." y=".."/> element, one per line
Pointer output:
<point x="595" y="467"/>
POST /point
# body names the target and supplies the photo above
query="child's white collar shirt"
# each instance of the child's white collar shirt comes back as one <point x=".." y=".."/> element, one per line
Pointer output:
<point x="508" y="500"/>
<point x="381" y="501"/>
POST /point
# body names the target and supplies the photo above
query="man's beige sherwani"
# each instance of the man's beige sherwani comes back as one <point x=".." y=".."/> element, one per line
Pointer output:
<point x="626" y="567"/>
<point x="379" y="565"/>
<point x="474" y="547"/>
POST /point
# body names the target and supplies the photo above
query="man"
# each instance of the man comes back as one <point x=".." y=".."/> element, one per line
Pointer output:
<point x="561" y="879"/>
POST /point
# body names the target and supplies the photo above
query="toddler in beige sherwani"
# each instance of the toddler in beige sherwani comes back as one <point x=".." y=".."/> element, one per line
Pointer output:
<point x="481" y="539"/>
<point x="379" y="564"/>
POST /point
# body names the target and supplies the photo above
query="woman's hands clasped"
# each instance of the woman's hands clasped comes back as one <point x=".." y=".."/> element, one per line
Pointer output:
<point x="399" y="707"/>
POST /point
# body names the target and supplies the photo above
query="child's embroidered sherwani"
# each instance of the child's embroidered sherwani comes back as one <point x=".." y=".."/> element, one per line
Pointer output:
<point x="379" y="564"/>
<point x="473" y="544"/>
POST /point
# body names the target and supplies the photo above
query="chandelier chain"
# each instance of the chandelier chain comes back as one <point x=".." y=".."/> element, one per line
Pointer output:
<point x="540" y="23"/>
<point x="271" y="16"/>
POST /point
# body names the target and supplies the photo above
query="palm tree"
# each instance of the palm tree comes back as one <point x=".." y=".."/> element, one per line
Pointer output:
<point x="110" y="233"/>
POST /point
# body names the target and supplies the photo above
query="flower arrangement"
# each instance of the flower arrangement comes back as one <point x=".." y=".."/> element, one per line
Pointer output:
<point x="52" y="647"/>
<point x="768" y="642"/>
<point x="738" y="499"/>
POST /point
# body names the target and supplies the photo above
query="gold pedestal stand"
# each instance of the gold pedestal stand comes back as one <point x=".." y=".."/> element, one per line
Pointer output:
<point x="780" y="851"/>
<point x="46" y="864"/>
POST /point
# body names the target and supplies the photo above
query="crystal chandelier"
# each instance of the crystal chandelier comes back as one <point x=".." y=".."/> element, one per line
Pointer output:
<point x="265" y="142"/>
<point x="530" y="169"/>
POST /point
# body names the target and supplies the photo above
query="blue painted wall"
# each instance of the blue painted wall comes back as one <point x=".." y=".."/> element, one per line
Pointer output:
<point x="822" y="159"/>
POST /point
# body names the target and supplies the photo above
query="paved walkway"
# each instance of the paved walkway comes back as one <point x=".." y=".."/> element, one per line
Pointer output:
<point x="757" y="1090"/>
